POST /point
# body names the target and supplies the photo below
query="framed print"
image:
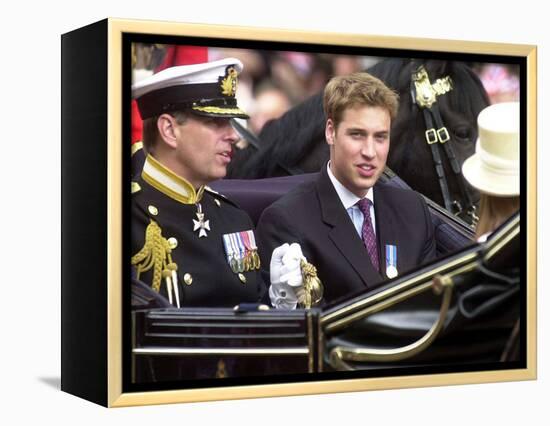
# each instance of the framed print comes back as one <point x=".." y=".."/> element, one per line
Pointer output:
<point x="183" y="146"/>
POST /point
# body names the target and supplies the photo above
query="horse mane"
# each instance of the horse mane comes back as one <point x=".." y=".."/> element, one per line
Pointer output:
<point x="284" y="141"/>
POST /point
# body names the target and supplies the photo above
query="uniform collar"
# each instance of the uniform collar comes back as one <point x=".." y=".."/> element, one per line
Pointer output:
<point x="348" y="198"/>
<point x="169" y="183"/>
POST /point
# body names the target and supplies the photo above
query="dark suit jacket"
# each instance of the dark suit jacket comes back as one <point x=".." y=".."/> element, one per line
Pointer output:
<point x="313" y="216"/>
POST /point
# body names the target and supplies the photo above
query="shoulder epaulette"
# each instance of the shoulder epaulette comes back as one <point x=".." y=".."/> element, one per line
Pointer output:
<point x="219" y="196"/>
<point x="135" y="187"/>
<point x="137" y="146"/>
<point x="207" y="188"/>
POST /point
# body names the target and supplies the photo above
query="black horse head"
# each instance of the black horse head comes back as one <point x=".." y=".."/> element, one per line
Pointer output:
<point x="410" y="156"/>
<point x="292" y="144"/>
<point x="295" y="143"/>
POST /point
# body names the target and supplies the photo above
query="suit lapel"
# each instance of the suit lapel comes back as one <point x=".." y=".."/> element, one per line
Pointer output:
<point x="343" y="233"/>
<point x="386" y="232"/>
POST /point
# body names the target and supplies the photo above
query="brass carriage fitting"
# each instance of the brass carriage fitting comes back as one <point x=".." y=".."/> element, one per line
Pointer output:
<point x="441" y="282"/>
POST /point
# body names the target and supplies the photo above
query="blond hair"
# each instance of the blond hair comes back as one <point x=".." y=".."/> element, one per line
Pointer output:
<point x="357" y="89"/>
<point x="493" y="211"/>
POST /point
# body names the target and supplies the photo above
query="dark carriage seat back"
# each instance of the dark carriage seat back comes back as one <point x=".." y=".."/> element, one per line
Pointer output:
<point x="255" y="195"/>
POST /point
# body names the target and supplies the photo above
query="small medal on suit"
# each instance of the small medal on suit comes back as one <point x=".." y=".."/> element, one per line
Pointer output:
<point x="391" y="261"/>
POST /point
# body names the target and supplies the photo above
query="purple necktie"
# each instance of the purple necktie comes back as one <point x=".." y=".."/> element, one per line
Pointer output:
<point x="367" y="232"/>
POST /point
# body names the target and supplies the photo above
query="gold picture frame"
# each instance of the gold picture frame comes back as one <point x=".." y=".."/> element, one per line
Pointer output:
<point x="103" y="353"/>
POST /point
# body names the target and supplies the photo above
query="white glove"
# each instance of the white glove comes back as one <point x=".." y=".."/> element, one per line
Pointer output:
<point x="286" y="288"/>
<point x="282" y="296"/>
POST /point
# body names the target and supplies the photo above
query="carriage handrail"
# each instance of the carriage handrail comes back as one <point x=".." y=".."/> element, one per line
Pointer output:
<point x="340" y="354"/>
<point x="409" y="287"/>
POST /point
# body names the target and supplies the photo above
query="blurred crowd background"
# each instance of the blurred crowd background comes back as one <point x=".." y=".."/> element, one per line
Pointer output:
<point x="274" y="81"/>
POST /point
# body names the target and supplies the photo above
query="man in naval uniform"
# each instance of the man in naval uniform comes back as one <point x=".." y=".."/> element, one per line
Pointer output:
<point x="355" y="231"/>
<point x="190" y="244"/>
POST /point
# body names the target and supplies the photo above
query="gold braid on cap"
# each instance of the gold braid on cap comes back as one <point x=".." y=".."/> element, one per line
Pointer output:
<point x="156" y="254"/>
<point x="313" y="287"/>
<point x="218" y="110"/>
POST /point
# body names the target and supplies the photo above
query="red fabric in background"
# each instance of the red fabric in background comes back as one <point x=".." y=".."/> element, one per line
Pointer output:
<point x="175" y="55"/>
<point x="183" y="55"/>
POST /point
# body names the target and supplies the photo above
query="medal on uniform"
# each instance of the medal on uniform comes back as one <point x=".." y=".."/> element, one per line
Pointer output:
<point x="240" y="247"/>
<point x="229" y="252"/>
<point x="239" y="251"/>
<point x="252" y="250"/>
<point x="236" y="262"/>
<point x="246" y="262"/>
<point x="391" y="261"/>
<point x="255" y="255"/>
<point x="201" y="225"/>
<point x="249" y="256"/>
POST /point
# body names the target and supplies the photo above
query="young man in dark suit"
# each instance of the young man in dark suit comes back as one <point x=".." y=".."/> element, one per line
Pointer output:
<point x="355" y="231"/>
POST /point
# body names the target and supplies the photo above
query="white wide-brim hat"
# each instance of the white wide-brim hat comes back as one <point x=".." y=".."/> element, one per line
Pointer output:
<point x="494" y="168"/>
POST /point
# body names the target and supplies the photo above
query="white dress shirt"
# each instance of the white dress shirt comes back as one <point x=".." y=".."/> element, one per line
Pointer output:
<point x="349" y="201"/>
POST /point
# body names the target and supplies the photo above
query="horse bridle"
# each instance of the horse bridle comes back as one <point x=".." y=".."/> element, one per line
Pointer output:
<point x="424" y="96"/>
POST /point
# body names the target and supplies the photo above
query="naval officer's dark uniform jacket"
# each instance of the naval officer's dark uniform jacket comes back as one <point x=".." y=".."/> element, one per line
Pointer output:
<point x="165" y="232"/>
<point x="313" y="216"/>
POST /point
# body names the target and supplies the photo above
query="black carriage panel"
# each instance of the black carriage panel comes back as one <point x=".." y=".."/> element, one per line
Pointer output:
<point x="206" y="343"/>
